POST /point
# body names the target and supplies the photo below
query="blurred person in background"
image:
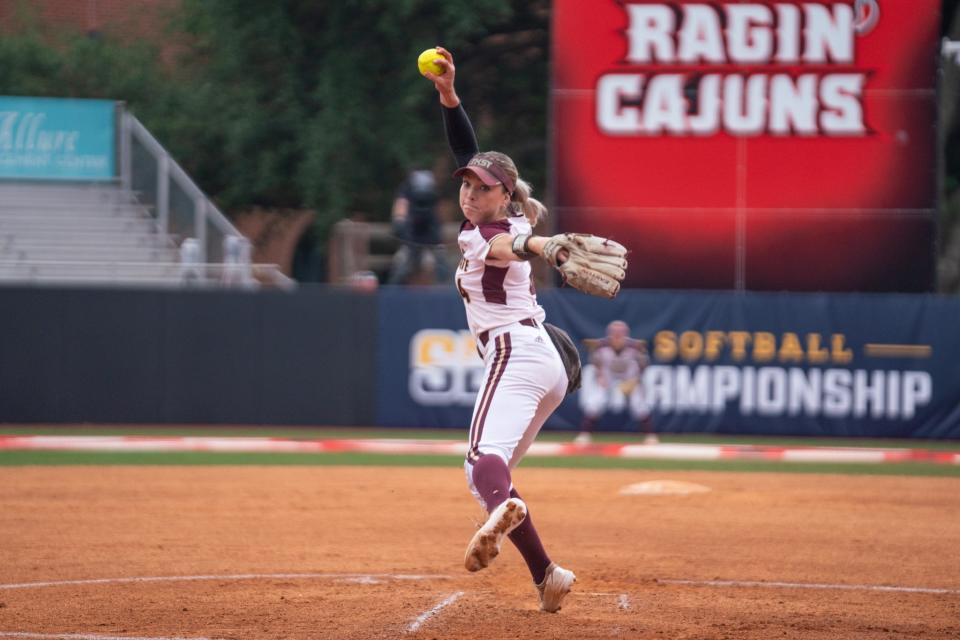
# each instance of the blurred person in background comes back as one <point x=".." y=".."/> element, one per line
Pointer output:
<point x="614" y="380"/>
<point x="421" y="257"/>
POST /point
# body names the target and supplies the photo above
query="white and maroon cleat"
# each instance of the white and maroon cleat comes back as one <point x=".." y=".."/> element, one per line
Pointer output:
<point x="555" y="586"/>
<point x="485" y="545"/>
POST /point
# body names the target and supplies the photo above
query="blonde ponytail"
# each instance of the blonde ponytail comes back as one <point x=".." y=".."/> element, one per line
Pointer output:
<point x="523" y="203"/>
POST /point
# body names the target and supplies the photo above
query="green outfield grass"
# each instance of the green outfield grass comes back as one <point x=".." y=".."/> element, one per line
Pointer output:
<point x="95" y="458"/>
<point x="321" y="433"/>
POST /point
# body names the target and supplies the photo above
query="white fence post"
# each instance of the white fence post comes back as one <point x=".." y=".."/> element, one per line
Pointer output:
<point x="200" y="224"/>
<point x="126" y="162"/>
<point x="163" y="193"/>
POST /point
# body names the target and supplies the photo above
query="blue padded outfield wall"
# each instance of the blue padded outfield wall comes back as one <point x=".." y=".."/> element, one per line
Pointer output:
<point x="806" y="364"/>
<point x="787" y="364"/>
<point x="187" y="357"/>
<point x="57" y="139"/>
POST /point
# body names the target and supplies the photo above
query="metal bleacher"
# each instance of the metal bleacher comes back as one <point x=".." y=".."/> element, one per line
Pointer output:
<point x="82" y="233"/>
<point x="151" y="226"/>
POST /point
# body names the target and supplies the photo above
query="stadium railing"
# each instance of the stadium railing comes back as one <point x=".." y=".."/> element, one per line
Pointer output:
<point x="210" y="246"/>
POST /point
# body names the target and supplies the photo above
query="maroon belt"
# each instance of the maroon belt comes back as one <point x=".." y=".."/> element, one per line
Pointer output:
<point x="484" y="336"/>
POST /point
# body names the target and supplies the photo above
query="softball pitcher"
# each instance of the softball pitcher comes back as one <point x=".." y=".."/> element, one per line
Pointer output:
<point x="529" y="366"/>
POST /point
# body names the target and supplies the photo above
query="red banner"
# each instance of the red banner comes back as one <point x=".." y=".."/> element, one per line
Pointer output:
<point x="762" y="145"/>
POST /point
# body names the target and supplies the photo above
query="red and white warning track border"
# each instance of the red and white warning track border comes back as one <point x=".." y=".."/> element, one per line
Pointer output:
<point x="449" y="447"/>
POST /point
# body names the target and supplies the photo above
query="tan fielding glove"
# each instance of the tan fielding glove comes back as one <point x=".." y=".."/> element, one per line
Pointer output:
<point x="594" y="265"/>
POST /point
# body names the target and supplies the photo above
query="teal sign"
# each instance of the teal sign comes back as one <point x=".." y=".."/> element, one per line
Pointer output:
<point x="57" y="139"/>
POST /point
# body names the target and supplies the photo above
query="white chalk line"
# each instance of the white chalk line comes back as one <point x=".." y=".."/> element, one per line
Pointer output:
<point x="809" y="585"/>
<point x="426" y="615"/>
<point x="84" y="636"/>
<point x="360" y="578"/>
<point x="623" y="600"/>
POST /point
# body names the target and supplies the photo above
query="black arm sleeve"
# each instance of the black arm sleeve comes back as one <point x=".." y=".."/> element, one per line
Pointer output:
<point x="460" y="134"/>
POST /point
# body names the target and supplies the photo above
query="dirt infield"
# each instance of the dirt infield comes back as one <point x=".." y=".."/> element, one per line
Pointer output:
<point x="377" y="553"/>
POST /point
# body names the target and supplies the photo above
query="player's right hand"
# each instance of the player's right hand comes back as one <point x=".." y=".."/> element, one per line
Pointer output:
<point x="444" y="82"/>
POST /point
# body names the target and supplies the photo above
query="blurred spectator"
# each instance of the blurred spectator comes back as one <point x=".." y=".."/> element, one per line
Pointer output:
<point x="237" y="262"/>
<point x="190" y="265"/>
<point x="614" y="380"/>
<point x="415" y="223"/>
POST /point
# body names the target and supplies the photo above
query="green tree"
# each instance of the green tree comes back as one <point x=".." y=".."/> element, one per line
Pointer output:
<point x="74" y="65"/>
<point x="321" y="105"/>
<point x="298" y="103"/>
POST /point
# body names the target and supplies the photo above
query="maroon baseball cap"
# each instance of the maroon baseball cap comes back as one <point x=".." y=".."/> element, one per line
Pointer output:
<point x="489" y="173"/>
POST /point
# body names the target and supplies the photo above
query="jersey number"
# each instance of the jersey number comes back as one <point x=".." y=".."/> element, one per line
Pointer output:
<point x="464" y="294"/>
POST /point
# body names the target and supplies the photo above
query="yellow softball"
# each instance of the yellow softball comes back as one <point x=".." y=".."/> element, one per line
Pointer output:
<point x="426" y="62"/>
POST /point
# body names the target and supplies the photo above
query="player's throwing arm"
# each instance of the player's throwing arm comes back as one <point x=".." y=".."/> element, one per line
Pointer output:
<point x="589" y="263"/>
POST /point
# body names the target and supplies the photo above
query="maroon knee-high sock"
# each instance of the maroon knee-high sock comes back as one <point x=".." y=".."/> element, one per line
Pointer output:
<point x="491" y="477"/>
<point x="527" y="542"/>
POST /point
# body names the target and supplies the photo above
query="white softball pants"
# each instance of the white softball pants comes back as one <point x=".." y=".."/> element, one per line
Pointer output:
<point x="596" y="400"/>
<point x="524" y="382"/>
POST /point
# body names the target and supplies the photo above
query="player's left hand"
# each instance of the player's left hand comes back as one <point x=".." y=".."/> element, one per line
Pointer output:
<point x="593" y="264"/>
